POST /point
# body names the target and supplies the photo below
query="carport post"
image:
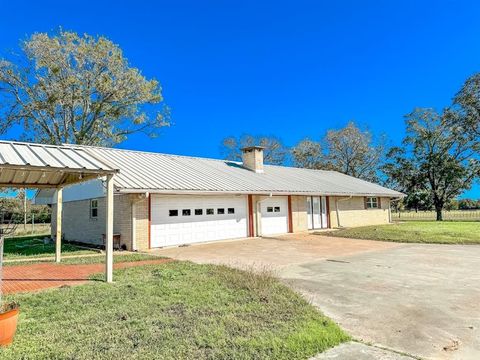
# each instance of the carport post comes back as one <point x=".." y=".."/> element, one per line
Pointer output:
<point x="109" y="231"/>
<point x="58" y="230"/>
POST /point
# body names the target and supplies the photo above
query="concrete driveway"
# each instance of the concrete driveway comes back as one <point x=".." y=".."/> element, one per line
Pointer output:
<point x="422" y="300"/>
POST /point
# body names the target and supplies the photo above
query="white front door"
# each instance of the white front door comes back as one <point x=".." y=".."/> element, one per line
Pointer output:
<point x="274" y="212"/>
<point x="317" y="212"/>
<point x="187" y="219"/>
<point x="317" y="219"/>
<point x="324" y="212"/>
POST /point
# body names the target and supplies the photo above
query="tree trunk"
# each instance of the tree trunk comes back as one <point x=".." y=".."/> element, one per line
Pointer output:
<point x="439" y="213"/>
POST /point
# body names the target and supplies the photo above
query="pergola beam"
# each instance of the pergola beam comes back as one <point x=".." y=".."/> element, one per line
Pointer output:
<point x="58" y="230"/>
<point x="109" y="231"/>
<point x="30" y="165"/>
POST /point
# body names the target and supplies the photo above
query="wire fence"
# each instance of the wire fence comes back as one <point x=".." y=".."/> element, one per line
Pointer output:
<point x="459" y="215"/>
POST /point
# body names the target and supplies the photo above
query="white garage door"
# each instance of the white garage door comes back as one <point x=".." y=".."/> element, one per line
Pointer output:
<point x="177" y="220"/>
<point x="274" y="212"/>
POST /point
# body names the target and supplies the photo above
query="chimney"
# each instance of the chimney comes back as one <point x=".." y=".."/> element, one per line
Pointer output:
<point x="252" y="157"/>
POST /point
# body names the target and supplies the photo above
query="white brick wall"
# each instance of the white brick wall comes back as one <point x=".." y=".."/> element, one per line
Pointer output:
<point x="79" y="226"/>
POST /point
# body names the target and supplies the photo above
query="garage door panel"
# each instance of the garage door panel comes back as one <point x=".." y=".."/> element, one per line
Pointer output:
<point x="183" y="229"/>
<point x="274" y="214"/>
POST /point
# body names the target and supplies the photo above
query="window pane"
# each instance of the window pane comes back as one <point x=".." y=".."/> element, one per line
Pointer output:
<point x="94" y="203"/>
<point x="186" y="212"/>
<point x="209" y="211"/>
<point x="269" y="209"/>
<point x="372" y="203"/>
<point x="172" y="212"/>
<point x="198" y="211"/>
<point x="231" y="210"/>
<point x="220" y="211"/>
<point x="277" y="209"/>
<point x="94" y="212"/>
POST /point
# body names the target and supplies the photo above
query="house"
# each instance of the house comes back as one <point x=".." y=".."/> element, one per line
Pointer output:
<point x="165" y="200"/>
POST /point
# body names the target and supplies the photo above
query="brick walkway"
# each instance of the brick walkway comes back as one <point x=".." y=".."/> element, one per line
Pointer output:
<point x="33" y="277"/>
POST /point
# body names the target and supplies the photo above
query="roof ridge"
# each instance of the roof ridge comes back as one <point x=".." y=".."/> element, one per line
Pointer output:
<point x="151" y="152"/>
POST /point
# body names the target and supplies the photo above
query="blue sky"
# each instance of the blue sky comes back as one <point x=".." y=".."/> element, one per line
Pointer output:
<point x="290" y="69"/>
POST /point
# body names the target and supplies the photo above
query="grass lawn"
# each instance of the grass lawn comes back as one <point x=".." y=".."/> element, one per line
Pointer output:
<point x="85" y="259"/>
<point x="33" y="246"/>
<point x="176" y="310"/>
<point x="445" y="232"/>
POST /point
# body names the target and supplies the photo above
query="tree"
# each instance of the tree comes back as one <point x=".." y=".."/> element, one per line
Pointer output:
<point x="68" y="88"/>
<point x="275" y="152"/>
<point x="354" y="152"/>
<point x="466" y="104"/>
<point x="436" y="157"/>
<point x="308" y="154"/>
<point x="467" y="204"/>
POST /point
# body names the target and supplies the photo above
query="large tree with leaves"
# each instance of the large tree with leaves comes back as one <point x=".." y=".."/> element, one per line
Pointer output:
<point x="465" y="111"/>
<point x="67" y="88"/>
<point x="436" y="156"/>
<point x="275" y="152"/>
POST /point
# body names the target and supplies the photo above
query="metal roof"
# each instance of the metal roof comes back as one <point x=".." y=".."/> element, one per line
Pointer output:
<point x="162" y="173"/>
<point x="37" y="165"/>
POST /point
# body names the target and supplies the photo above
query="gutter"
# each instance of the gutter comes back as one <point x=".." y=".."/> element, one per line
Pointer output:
<point x="243" y="192"/>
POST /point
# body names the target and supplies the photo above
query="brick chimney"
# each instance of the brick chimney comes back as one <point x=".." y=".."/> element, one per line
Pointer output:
<point x="252" y="157"/>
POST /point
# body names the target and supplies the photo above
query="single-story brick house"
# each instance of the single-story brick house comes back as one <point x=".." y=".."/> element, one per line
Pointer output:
<point x="165" y="200"/>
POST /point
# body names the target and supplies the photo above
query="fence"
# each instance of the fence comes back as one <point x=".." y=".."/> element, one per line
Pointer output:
<point x="460" y="215"/>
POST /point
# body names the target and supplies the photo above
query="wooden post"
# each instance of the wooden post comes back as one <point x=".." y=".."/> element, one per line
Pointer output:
<point x="58" y="236"/>
<point x="290" y="215"/>
<point x="109" y="231"/>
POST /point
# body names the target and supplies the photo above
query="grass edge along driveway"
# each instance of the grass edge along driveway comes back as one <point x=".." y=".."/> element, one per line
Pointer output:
<point x="432" y="232"/>
<point x="177" y="310"/>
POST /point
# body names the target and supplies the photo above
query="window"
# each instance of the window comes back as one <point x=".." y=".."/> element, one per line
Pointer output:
<point x="198" y="211"/>
<point x="220" y="211"/>
<point x="371" y="202"/>
<point x="210" y="212"/>
<point x="276" y="209"/>
<point x="186" y="212"/>
<point x="269" y="209"/>
<point x="94" y="208"/>
<point x="172" y="212"/>
<point x="231" y="210"/>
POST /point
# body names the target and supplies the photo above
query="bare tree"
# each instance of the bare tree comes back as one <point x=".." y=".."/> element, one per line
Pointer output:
<point x="354" y="152"/>
<point x="275" y="152"/>
<point x="308" y="154"/>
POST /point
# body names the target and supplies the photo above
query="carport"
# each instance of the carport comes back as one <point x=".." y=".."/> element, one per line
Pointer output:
<point x="31" y="165"/>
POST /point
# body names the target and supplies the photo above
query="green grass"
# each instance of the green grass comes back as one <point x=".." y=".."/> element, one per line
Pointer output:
<point x="33" y="246"/>
<point x="176" y="310"/>
<point x="445" y="232"/>
<point x="90" y="259"/>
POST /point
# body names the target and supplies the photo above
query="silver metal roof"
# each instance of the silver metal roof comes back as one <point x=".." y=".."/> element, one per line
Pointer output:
<point x="36" y="165"/>
<point x="162" y="173"/>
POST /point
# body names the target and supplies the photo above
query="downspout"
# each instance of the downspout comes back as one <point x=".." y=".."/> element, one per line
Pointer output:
<point x="337" y="200"/>
<point x="258" y="210"/>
